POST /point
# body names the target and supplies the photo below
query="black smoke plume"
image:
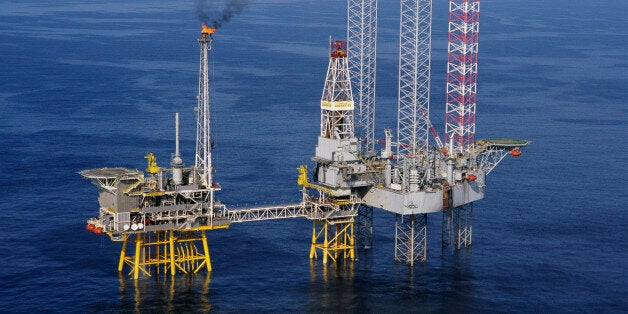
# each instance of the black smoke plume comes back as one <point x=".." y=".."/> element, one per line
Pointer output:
<point x="208" y="11"/>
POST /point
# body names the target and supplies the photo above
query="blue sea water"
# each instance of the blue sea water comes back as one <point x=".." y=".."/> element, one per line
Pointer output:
<point x="86" y="84"/>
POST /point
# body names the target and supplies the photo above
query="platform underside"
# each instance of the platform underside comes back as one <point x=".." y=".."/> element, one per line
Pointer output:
<point x="423" y="202"/>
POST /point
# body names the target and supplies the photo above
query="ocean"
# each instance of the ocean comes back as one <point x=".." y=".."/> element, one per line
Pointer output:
<point x="86" y="84"/>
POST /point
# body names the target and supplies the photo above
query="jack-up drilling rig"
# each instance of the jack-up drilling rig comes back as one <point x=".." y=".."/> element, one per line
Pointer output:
<point x="167" y="211"/>
<point x="415" y="179"/>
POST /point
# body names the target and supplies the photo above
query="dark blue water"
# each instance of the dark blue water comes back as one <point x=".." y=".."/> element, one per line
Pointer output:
<point x="95" y="83"/>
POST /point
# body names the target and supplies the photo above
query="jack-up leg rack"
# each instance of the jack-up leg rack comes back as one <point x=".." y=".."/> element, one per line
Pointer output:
<point x="411" y="238"/>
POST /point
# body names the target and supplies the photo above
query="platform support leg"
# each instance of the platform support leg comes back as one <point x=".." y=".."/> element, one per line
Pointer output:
<point x="314" y="238"/>
<point x="351" y="242"/>
<point x="338" y="240"/>
<point x="208" y="262"/>
<point x="173" y="269"/>
<point x="138" y="250"/>
<point x="411" y="238"/>
<point x="325" y="243"/>
<point x="365" y="227"/>
<point x="458" y="226"/>
<point x="123" y="253"/>
<point x="464" y="227"/>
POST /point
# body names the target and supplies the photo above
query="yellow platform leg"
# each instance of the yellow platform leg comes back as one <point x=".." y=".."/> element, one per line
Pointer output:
<point x="173" y="269"/>
<point x="314" y="237"/>
<point x="167" y="250"/>
<point x="337" y="242"/>
<point x="136" y="265"/>
<point x="208" y="262"/>
<point x="352" y="243"/>
<point x="122" y="253"/>
<point x="325" y="244"/>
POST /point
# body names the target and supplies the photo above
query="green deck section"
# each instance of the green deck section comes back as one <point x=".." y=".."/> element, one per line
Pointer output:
<point x="503" y="142"/>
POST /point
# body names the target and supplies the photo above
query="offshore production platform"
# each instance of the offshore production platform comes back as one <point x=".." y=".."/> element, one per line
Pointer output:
<point x="165" y="212"/>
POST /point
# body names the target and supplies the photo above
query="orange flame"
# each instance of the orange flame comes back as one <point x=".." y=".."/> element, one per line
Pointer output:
<point x="207" y="30"/>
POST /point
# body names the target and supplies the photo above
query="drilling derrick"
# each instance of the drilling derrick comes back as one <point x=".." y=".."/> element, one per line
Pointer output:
<point x="338" y="169"/>
<point x="165" y="212"/>
<point x="337" y="149"/>
<point x="337" y="100"/>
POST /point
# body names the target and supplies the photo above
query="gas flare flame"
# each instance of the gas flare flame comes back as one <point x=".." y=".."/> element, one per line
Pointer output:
<point x="207" y="30"/>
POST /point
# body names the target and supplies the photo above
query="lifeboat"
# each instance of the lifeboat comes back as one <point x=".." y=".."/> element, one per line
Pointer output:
<point x="90" y="227"/>
<point x="98" y="230"/>
<point x="472" y="177"/>
<point x="515" y="153"/>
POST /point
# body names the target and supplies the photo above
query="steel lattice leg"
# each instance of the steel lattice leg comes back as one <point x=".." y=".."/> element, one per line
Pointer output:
<point x="365" y="227"/>
<point x="458" y="227"/>
<point x="464" y="227"/>
<point x="411" y="238"/>
<point x="448" y="227"/>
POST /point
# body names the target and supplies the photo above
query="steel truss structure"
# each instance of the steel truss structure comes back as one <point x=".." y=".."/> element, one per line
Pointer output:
<point x="414" y="77"/>
<point x="203" y="158"/>
<point x="458" y="226"/>
<point x="362" y="38"/>
<point x="268" y="213"/>
<point x="334" y="238"/>
<point x="337" y="100"/>
<point x="364" y="232"/>
<point x="413" y="125"/>
<point x="411" y="238"/>
<point x="489" y="158"/>
<point x="166" y="252"/>
<point x="462" y="73"/>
